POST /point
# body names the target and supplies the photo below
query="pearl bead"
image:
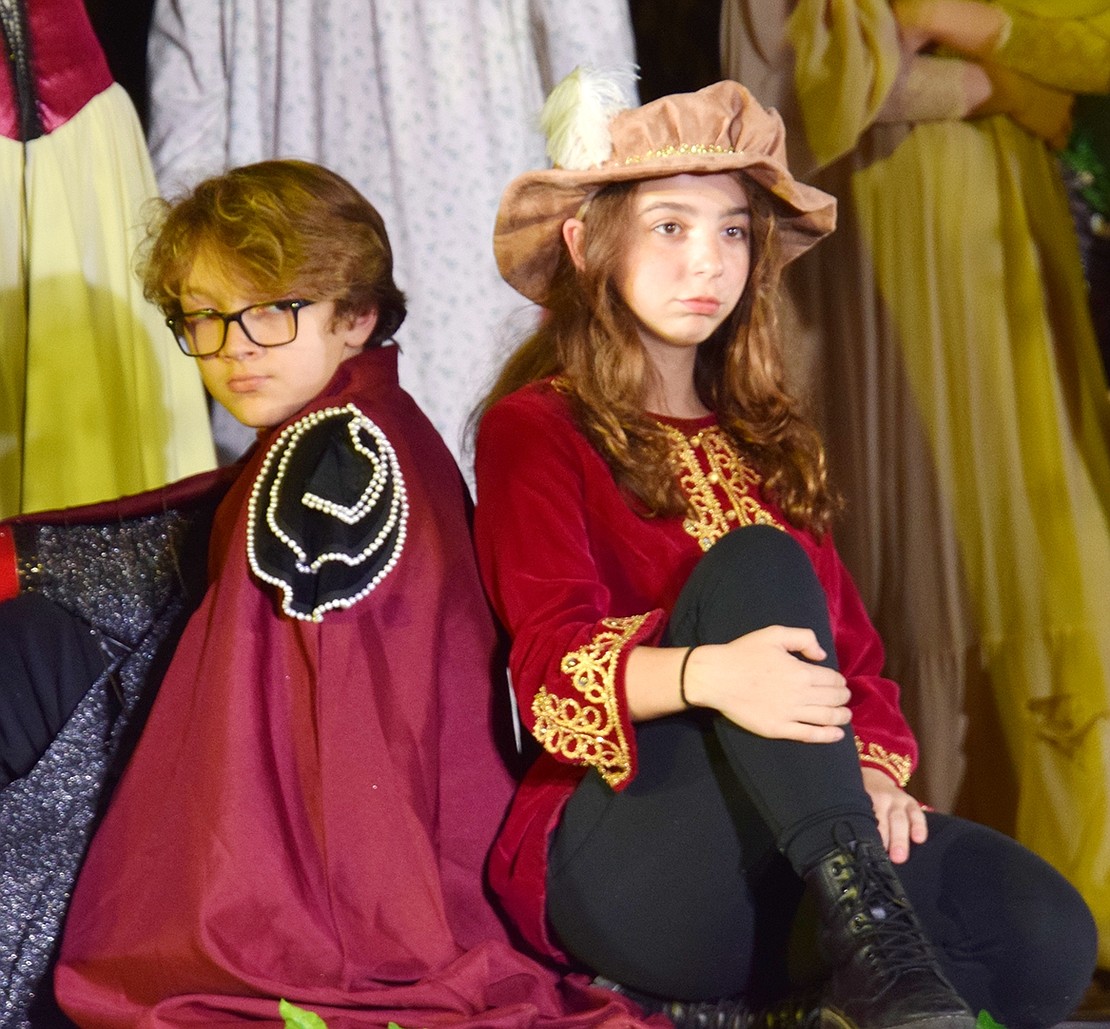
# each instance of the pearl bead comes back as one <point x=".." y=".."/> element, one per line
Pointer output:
<point x="385" y="481"/>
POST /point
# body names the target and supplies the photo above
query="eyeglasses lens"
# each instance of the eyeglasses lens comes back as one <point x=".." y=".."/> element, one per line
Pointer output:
<point x="268" y="325"/>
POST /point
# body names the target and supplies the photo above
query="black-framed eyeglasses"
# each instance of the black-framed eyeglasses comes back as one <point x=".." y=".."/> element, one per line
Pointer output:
<point x="269" y="324"/>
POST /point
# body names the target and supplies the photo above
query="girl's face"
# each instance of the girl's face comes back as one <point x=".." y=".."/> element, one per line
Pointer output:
<point x="264" y="386"/>
<point x="686" y="258"/>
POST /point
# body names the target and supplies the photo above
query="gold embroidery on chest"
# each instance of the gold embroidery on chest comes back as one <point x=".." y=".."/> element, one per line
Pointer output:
<point x="718" y="486"/>
<point x="589" y="731"/>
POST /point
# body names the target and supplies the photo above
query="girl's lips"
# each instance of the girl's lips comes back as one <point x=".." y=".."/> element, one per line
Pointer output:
<point x="702" y="305"/>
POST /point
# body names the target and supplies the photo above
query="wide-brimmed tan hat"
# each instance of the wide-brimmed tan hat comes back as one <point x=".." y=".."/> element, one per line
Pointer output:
<point x="719" y="128"/>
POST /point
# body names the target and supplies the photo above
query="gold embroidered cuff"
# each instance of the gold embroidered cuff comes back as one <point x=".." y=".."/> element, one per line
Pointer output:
<point x="590" y="730"/>
<point x="898" y="766"/>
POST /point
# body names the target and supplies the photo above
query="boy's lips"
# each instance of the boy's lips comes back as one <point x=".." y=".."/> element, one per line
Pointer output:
<point x="245" y="383"/>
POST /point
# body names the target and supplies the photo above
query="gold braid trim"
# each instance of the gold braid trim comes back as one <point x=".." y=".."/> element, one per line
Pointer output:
<point x="708" y="519"/>
<point x="590" y="733"/>
<point x="898" y="765"/>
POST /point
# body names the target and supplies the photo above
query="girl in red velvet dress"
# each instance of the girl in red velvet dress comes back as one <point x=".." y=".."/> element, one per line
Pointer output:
<point x="653" y="526"/>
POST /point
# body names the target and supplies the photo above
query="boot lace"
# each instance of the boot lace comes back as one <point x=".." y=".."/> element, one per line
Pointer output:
<point x="879" y="910"/>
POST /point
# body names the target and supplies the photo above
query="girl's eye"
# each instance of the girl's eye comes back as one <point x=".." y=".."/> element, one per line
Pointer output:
<point x="737" y="232"/>
<point x="668" y="228"/>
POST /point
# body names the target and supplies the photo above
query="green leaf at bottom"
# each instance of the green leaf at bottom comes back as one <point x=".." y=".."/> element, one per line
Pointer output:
<point x="298" y="1018"/>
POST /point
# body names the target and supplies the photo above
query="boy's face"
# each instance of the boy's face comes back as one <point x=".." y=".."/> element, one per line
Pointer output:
<point x="264" y="386"/>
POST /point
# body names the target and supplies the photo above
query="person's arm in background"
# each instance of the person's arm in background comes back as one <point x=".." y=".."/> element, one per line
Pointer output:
<point x="1065" y="53"/>
<point x="1035" y="65"/>
<point x="839" y="69"/>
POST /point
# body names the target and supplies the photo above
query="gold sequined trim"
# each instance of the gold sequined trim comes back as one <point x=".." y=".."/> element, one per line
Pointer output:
<point x="590" y="732"/>
<point x="682" y="150"/>
<point x="710" y="519"/>
<point x="29" y="572"/>
<point x="898" y="765"/>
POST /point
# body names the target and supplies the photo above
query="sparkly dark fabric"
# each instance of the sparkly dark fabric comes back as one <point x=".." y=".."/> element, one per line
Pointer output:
<point x="134" y="580"/>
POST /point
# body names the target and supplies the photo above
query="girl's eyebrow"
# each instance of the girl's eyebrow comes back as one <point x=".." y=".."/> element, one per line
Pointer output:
<point x="681" y="208"/>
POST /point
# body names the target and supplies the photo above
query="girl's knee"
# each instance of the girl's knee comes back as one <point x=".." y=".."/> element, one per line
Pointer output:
<point x="1019" y="939"/>
<point x="758" y="550"/>
<point x="1054" y="947"/>
<point x="751" y="578"/>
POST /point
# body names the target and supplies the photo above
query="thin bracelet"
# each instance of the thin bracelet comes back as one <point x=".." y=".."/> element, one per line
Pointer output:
<point x="682" y="676"/>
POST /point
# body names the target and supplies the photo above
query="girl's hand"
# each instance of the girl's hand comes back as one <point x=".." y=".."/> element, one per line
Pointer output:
<point x="759" y="682"/>
<point x="901" y="818"/>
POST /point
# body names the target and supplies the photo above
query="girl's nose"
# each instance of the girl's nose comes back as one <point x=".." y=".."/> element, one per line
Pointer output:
<point x="706" y="258"/>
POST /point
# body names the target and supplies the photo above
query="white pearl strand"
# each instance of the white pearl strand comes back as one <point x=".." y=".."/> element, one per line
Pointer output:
<point x="386" y="472"/>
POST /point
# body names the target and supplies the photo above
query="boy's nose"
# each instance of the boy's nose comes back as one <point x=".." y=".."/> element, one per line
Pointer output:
<point x="236" y="341"/>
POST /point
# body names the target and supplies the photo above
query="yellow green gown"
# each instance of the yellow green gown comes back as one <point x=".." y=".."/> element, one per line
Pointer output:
<point x="95" y="399"/>
<point x="945" y="333"/>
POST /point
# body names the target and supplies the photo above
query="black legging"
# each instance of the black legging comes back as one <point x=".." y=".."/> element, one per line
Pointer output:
<point x="687" y="883"/>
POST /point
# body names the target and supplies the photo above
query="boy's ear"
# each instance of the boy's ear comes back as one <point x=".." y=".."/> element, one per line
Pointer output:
<point x="574" y="235"/>
<point x="358" y="328"/>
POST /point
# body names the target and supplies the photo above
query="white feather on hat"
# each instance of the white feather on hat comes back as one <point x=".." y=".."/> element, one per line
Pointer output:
<point x="575" y="119"/>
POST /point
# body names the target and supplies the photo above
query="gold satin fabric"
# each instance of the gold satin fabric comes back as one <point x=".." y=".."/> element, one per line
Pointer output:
<point x="945" y="332"/>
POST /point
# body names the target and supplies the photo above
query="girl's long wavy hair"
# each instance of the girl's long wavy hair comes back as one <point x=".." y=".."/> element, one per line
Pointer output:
<point x="589" y="341"/>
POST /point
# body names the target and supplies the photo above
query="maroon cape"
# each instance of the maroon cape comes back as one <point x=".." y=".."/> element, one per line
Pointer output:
<point x="308" y="811"/>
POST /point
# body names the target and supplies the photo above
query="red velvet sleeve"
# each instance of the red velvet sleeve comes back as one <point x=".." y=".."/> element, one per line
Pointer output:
<point x="883" y="737"/>
<point x="570" y="640"/>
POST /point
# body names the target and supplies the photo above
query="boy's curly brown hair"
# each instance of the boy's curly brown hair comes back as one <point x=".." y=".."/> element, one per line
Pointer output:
<point x="277" y="229"/>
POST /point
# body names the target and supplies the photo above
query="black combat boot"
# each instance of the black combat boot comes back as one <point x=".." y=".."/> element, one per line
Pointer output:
<point x="800" y="1012"/>
<point x="708" y="1014"/>
<point x="884" y="971"/>
<point x="795" y="1013"/>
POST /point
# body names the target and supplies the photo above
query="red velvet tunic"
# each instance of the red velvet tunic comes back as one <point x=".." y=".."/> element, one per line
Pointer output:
<point x="579" y="579"/>
<point x="308" y="811"/>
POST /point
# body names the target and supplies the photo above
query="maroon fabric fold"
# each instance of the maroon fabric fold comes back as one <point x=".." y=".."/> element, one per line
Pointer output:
<point x="308" y="812"/>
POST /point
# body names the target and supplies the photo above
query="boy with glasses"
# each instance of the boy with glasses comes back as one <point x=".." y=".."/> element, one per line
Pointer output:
<point x="306" y="815"/>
